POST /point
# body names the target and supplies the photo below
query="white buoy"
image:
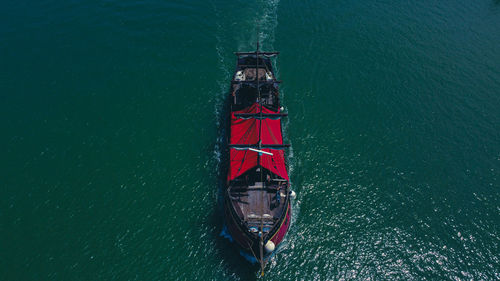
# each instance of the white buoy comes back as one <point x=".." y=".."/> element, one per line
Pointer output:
<point x="282" y="108"/>
<point x="269" y="246"/>
<point x="292" y="194"/>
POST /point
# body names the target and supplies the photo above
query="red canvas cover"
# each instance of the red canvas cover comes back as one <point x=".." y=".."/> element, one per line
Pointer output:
<point x="275" y="163"/>
<point x="241" y="161"/>
<point x="246" y="131"/>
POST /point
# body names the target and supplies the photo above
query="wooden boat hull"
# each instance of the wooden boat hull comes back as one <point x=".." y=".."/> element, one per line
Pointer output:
<point x="257" y="196"/>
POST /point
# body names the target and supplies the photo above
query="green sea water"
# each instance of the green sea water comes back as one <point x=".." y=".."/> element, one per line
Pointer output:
<point x="111" y="117"/>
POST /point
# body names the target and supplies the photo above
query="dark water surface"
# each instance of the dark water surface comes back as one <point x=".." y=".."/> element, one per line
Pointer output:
<point x="110" y="134"/>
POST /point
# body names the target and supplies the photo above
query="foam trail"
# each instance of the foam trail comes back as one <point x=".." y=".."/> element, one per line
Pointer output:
<point x="264" y="23"/>
<point x="222" y="84"/>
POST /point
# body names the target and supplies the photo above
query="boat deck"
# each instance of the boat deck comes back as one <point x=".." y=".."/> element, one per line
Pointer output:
<point x="257" y="203"/>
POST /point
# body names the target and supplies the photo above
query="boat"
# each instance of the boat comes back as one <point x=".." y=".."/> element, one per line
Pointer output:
<point x="257" y="195"/>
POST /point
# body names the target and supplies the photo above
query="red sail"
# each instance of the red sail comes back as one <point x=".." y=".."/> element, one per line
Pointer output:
<point x="246" y="131"/>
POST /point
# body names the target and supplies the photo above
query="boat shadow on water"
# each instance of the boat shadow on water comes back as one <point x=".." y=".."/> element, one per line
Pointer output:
<point x="233" y="261"/>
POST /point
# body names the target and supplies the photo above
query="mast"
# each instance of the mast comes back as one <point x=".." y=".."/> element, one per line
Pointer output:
<point x="261" y="232"/>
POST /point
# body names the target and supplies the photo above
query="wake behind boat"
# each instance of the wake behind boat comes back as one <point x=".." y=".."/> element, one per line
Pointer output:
<point x="257" y="195"/>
